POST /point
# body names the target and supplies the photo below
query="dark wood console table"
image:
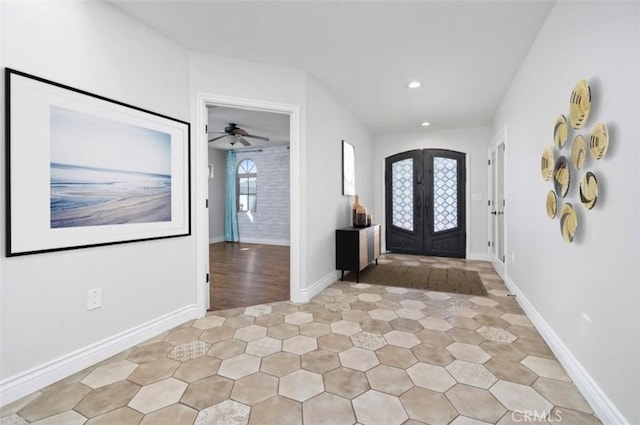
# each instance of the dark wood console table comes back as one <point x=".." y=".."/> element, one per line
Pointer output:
<point x="356" y="248"/>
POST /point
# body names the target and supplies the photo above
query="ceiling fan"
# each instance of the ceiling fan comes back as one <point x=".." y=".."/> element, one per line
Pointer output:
<point x="238" y="135"/>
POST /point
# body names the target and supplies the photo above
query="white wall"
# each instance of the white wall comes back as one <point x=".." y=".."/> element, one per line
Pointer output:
<point x="217" y="194"/>
<point x="243" y="79"/>
<point x="234" y="82"/>
<point x="318" y="158"/>
<point x="328" y="123"/>
<point x="598" y="275"/>
<point x="43" y="315"/>
<point x="474" y="142"/>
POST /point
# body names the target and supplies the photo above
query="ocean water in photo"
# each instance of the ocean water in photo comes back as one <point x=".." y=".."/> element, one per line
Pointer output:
<point x="86" y="196"/>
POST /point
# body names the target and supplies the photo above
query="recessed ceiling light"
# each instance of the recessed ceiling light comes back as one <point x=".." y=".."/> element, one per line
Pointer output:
<point x="414" y="84"/>
<point x="425" y="124"/>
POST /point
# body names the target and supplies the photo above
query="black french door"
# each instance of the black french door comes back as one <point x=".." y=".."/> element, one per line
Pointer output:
<point x="425" y="203"/>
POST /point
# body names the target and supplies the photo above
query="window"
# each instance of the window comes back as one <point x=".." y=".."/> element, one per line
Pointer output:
<point x="246" y="177"/>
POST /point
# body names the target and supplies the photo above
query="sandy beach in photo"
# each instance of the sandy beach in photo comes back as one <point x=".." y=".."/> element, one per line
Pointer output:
<point x="84" y="196"/>
<point x="154" y="207"/>
<point x="105" y="172"/>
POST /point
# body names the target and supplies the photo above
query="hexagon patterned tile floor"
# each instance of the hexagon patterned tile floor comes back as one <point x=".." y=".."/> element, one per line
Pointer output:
<point x="356" y="354"/>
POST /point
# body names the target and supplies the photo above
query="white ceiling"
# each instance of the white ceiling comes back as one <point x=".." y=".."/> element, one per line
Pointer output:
<point x="259" y="123"/>
<point x="465" y="53"/>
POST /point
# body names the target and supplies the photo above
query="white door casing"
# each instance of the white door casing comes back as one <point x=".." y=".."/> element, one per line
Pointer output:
<point x="201" y="166"/>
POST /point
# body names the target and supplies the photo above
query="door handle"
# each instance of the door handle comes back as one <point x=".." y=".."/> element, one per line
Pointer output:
<point x="494" y="212"/>
<point x="500" y="212"/>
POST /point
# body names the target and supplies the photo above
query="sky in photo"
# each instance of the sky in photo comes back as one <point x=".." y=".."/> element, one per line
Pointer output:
<point x="91" y="141"/>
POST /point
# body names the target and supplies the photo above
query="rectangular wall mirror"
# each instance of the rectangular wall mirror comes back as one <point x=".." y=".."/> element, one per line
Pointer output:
<point x="348" y="169"/>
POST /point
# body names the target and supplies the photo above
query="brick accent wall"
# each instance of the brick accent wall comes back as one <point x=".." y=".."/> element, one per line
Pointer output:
<point x="270" y="223"/>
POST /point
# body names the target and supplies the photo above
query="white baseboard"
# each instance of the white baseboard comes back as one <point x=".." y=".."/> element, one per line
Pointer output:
<point x="481" y="256"/>
<point x="261" y="241"/>
<point x="603" y="407"/>
<point x="307" y="293"/>
<point x="264" y="241"/>
<point x="499" y="268"/>
<point x="25" y="383"/>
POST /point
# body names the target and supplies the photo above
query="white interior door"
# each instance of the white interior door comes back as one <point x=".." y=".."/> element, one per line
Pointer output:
<point x="497" y="205"/>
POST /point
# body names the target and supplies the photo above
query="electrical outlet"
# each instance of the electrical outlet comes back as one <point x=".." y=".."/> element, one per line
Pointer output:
<point x="94" y="299"/>
<point x="513" y="257"/>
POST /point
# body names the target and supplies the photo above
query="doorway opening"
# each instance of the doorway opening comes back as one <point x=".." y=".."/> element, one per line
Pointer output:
<point x="249" y="192"/>
<point x="292" y="113"/>
<point x="425" y="196"/>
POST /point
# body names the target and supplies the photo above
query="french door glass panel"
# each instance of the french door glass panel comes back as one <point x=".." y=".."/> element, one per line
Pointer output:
<point x="445" y="194"/>
<point x="402" y="194"/>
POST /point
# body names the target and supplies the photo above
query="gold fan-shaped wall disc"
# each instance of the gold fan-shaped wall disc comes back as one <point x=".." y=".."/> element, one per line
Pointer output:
<point x="552" y="204"/>
<point x="589" y="190"/>
<point x="547" y="163"/>
<point x="561" y="177"/>
<point x="580" y="104"/>
<point x="578" y="152"/>
<point x="568" y="222"/>
<point x="599" y="141"/>
<point x="560" y="131"/>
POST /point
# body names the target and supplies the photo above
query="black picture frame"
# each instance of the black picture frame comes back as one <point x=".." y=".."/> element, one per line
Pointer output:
<point x="83" y="170"/>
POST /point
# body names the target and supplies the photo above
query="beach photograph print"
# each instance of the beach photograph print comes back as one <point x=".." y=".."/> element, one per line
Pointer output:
<point x="105" y="172"/>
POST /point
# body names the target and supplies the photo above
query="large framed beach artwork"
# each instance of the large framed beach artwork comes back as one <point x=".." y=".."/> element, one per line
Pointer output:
<point x="83" y="170"/>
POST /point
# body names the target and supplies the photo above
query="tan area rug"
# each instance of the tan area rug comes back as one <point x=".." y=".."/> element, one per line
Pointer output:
<point x="422" y="277"/>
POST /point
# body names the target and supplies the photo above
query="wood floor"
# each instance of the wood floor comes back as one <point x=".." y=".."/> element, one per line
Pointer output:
<point x="243" y="274"/>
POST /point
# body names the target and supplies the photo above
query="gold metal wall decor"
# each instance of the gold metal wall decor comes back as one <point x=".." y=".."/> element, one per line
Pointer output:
<point x="547" y="163"/>
<point x="580" y="104"/>
<point x="589" y="190"/>
<point x="599" y="141"/>
<point x="555" y="164"/>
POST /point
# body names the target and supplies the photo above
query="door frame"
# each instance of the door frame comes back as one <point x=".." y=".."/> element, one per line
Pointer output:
<point x="382" y="206"/>
<point x="202" y="185"/>
<point x="500" y="140"/>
